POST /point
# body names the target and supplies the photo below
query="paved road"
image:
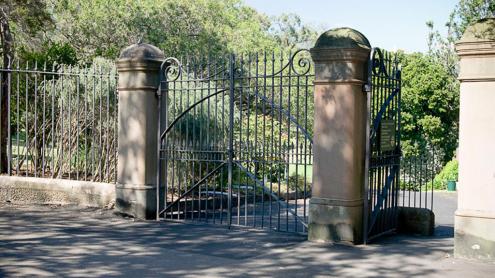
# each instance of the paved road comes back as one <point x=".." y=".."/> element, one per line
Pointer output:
<point x="76" y="242"/>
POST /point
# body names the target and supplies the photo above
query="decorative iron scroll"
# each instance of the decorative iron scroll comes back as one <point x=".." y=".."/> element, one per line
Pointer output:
<point x="300" y="65"/>
<point x="379" y="65"/>
<point x="171" y="69"/>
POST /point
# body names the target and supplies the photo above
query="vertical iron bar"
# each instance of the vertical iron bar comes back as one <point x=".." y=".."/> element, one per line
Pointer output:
<point x="107" y="133"/>
<point x="264" y="143"/>
<point x="287" y="158"/>
<point x="159" y="147"/>
<point x="44" y="127"/>
<point x="100" y="130"/>
<point x="93" y="126"/>
<point x="78" y="84"/>
<point x="26" y="127"/>
<point x="85" y="133"/>
<point x="69" y="124"/>
<point x="9" y="130"/>
<point x="279" y="153"/>
<point x="54" y="128"/>
<point x="35" y="153"/>
<point x="231" y="134"/>
<point x="18" y="155"/>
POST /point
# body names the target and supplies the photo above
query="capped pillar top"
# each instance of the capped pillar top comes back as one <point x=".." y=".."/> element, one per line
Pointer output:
<point x="341" y="44"/>
<point x="140" y="56"/>
<point x="478" y="39"/>
<point x="141" y="51"/>
<point x="342" y="38"/>
<point x="482" y="30"/>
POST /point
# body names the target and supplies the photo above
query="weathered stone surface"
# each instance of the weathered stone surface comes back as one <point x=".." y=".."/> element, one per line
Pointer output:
<point x="139" y="79"/>
<point x="342" y="38"/>
<point x="474" y="236"/>
<point x="482" y="30"/>
<point x="417" y="221"/>
<point x="25" y="190"/>
<point x="475" y="216"/>
<point x="335" y="223"/>
<point x="141" y="51"/>
<point x="339" y="141"/>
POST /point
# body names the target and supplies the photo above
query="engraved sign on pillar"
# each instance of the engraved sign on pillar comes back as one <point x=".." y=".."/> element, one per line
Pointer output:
<point x="387" y="135"/>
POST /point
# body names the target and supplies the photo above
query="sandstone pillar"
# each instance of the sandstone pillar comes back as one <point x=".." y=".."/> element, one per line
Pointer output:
<point x="139" y="68"/>
<point x="475" y="216"/>
<point x="336" y="206"/>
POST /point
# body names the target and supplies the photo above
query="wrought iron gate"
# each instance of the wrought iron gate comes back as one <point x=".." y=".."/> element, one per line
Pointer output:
<point x="383" y="150"/>
<point x="235" y="142"/>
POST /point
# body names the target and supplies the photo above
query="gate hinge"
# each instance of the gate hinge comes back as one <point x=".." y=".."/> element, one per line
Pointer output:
<point x="366" y="88"/>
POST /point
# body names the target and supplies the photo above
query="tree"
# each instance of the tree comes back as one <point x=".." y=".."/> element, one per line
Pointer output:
<point x="430" y="106"/>
<point x="442" y="64"/>
<point x="290" y="32"/>
<point x="465" y="13"/>
<point x="21" y="18"/>
<point x="179" y="28"/>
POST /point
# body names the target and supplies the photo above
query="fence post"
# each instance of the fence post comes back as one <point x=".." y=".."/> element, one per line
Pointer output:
<point x="475" y="215"/>
<point x="139" y="69"/>
<point x="336" y="206"/>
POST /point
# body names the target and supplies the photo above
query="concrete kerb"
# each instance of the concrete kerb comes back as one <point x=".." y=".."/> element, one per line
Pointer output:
<point x="29" y="190"/>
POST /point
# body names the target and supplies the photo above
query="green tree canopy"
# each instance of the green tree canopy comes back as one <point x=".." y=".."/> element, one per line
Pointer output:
<point x="189" y="27"/>
<point x="430" y="106"/>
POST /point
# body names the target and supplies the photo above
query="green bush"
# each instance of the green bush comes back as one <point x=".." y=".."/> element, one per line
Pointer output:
<point x="449" y="173"/>
<point x="297" y="181"/>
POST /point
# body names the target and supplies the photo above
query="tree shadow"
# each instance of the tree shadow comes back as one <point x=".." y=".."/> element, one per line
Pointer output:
<point x="70" y="241"/>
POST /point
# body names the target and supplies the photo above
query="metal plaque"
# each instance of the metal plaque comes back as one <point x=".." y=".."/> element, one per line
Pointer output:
<point x="387" y="135"/>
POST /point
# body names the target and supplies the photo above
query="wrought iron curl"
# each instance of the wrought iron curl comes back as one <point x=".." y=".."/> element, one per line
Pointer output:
<point x="171" y="69"/>
<point x="237" y="71"/>
<point x="378" y="63"/>
<point x="304" y="63"/>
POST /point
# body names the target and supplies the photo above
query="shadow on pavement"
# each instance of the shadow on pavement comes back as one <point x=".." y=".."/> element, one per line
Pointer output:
<point x="68" y="241"/>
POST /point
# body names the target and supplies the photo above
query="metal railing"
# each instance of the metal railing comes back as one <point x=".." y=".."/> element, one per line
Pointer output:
<point x="417" y="180"/>
<point x="61" y="121"/>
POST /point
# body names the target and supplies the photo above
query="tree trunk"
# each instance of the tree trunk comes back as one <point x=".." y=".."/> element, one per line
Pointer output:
<point x="6" y="39"/>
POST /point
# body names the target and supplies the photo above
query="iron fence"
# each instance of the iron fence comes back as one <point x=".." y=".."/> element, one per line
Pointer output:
<point x="61" y="121"/>
<point x="417" y="177"/>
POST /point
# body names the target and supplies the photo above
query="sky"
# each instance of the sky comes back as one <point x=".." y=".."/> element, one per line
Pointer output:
<point x="389" y="24"/>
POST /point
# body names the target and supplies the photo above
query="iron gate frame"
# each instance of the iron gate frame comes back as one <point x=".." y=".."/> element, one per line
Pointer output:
<point x="381" y="195"/>
<point x="172" y="69"/>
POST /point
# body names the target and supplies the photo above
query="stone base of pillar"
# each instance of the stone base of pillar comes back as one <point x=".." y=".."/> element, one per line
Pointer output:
<point x="474" y="235"/>
<point x="337" y="221"/>
<point x="138" y="201"/>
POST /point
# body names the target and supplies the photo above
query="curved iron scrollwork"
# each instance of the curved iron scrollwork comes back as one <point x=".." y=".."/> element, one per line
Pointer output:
<point x="303" y="62"/>
<point x="379" y="62"/>
<point x="300" y="65"/>
<point x="171" y="69"/>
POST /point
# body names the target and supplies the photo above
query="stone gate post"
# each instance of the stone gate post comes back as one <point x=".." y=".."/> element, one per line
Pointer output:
<point x="475" y="215"/>
<point x="336" y="206"/>
<point x="139" y="68"/>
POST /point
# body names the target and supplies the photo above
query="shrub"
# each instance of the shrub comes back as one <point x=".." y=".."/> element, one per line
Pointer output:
<point x="297" y="181"/>
<point x="449" y="173"/>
